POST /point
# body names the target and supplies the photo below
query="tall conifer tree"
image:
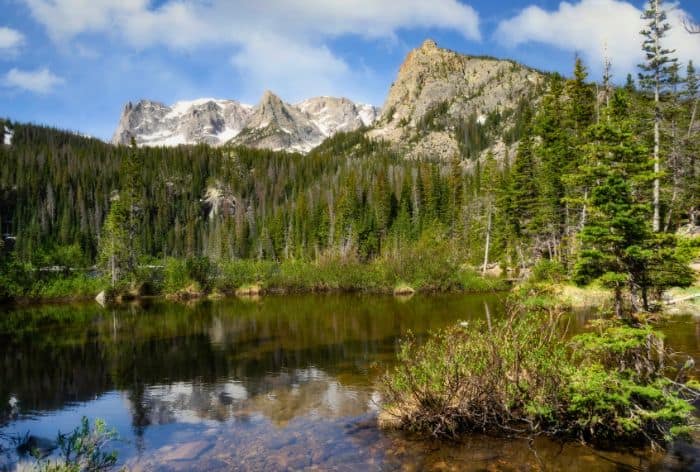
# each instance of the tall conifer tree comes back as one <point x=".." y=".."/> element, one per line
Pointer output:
<point x="654" y="77"/>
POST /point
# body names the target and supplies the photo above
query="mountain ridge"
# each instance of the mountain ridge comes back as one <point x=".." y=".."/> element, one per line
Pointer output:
<point x="443" y="104"/>
<point x="271" y="124"/>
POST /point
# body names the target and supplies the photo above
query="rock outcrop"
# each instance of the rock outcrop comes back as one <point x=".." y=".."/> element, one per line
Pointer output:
<point x="279" y="126"/>
<point x="437" y="89"/>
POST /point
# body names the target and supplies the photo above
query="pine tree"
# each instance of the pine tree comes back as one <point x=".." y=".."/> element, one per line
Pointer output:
<point x="130" y="196"/>
<point x="616" y="233"/>
<point x="654" y="76"/>
<point x="673" y="140"/>
<point x="582" y="97"/>
<point x="692" y="175"/>
<point x="114" y="253"/>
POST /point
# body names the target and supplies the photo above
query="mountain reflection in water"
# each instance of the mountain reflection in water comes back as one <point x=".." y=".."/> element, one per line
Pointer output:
<point x="271" y="384"/>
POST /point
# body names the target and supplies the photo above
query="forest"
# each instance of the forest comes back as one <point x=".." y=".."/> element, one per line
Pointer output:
<point x="585" y="156"/>
<point x="603" y="179"/>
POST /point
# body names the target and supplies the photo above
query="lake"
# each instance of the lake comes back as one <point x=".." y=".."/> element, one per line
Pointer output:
<point x="276" y="383"/>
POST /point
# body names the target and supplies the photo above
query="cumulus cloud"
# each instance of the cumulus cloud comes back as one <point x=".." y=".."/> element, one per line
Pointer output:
<point x="269" y="39"/>
<point x="591" y="27"/>
<point x="10" y="40"/>
<point x="40" y="81"/>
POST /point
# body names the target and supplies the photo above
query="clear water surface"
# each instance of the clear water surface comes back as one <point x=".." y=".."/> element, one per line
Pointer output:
<point x="277" y="383"/>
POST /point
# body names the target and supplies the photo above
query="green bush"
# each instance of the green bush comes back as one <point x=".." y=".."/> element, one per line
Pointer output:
<point x="81" y="450"/>
<point x="202" y="271"/>
<point x="70" y="286"/>
<point x="175" y="276"/>
<point x="547" y="270"/>
<point x="520" y="375"/>
<point x="240" y="272"/>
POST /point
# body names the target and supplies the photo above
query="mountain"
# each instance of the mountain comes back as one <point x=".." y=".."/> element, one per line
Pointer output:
<point x="444" y="104"/>
<point x="277" y="125"/>
<point x="272" y="124"/>
<point x="332" y="114"/>
<point x="205" y="120"/>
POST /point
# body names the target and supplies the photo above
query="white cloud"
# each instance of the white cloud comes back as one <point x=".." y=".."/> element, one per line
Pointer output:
<point x="295" y="68"/>
<point x="590" y="26"/>
<point x="277" y="41"/>
<point x="39" y="81"/>
<point x="10" y="41"/>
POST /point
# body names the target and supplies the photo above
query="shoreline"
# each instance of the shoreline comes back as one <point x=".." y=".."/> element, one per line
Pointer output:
<point x="272" y="291"/>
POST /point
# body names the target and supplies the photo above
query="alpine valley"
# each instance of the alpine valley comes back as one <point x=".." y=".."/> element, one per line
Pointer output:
<point x="500" y="259"/>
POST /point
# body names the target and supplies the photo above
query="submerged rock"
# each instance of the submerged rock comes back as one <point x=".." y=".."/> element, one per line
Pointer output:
<point x="101" y="298"/>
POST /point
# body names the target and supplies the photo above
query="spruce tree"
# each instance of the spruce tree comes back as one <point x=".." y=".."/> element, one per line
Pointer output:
<point x="654" y="77"/>
<point x="617" y="229"/>
<point x="692" y="175"/>
<point x="619" y="246"/>
<point x="114" y="252"/>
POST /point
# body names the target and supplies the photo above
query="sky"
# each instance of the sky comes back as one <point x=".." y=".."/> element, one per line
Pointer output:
<point x="73" y="64"/>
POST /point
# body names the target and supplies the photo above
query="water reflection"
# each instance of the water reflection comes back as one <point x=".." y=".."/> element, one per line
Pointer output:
<point x="273" y="384"/>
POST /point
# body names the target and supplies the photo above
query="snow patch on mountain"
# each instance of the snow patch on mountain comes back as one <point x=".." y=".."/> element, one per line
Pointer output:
<point x="271" y="124"/>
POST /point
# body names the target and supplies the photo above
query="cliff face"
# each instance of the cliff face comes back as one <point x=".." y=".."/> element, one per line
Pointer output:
<point x="436" y="89"/>
<point x="277" y="125"/>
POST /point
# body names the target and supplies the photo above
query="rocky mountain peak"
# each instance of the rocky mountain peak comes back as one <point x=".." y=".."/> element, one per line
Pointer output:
<point x="436" y="89"/>
<point x="428" y="45"/>
<point x="268" y="97"/>
<point x="207" y="120"/>
<point x="272" y="123"/>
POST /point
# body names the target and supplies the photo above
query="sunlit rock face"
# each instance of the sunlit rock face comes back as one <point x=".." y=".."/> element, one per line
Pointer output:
<point x="444" y="88"/>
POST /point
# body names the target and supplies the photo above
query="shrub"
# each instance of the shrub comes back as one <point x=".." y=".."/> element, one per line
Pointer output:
<point x="472" y="378"/>
<point x="83" y="449"/>
<point x="547" y="270"/>
<point x="175" y="276"/>
<point x="234" y="274"/>
<point x="202" y="271"/>
<point x="520" y="376"/>
<point x="75" y="285"/>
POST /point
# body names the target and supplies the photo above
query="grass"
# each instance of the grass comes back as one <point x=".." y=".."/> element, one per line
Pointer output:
<point x="184" y="279"/>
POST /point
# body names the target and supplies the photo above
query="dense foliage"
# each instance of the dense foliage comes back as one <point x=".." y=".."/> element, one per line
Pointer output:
<point x="350" y="200"/>
<point x="81" y="450"/>
<point x="600" y="182"/>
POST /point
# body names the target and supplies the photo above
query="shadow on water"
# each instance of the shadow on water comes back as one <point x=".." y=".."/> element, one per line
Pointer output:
<point x="273" y="384"/>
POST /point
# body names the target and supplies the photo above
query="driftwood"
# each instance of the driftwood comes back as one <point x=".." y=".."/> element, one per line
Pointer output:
<point x="682" y="299"/>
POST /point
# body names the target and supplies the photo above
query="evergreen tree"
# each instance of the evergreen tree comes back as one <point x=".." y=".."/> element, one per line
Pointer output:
<point x="114" y="251"/>
<point x="691" y="181"/>
<point x="654" y="77"/>
<point x="619" y="247"/>
<point x="617" y="228"/>
<point x="582" y="98"/>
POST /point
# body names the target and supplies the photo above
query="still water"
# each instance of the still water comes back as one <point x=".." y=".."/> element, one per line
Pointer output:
<point x="278" y="383"/>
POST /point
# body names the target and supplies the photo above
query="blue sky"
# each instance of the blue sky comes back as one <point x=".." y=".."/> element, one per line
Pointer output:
<point x="74" y="63"/>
